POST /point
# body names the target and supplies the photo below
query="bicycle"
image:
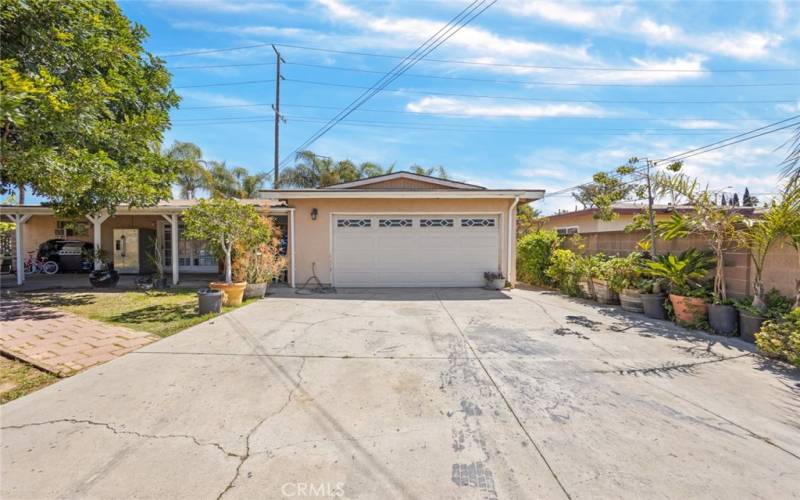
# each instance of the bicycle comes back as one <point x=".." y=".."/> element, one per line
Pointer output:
<point x="38" y="264"/>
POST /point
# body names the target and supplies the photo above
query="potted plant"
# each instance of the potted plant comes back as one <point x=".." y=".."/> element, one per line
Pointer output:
<point x="223" y="223"/>
<point x="719" y="224"/>
<point x="760" y="234"/>
<point x="258" y="266"/>
<point x="604" y="291"/>
<point x="625" y="278"/>
<point x="684" y="274"/>
<point x="753" y="318"/>
<point x="591" y="271"/>
<point x="103" y="275"/>
<point x="653" y="299"/>
<point x="494" y="280"/>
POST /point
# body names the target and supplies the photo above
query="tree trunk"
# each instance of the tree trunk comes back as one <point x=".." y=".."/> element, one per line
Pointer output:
<point x="758" y="295"/>
<point x="720" y="288"/>
<point x="21" y="197"/>
<point x="228" y="275"/>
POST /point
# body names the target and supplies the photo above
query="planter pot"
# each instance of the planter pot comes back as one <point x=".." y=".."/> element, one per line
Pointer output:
<point x="497" y="284"/>
<point x="689" y="310"/>
<point x="653" y="305"/>
<point x="587" y="287"/>
<point x="724" y="319"/>
<point x="233" y="291"/>
<point x="631" y="300"/>
<point x="104" y="279"/>
<point x="749" y="324"/>
<point x="209" y="301"/>
<point x="604" y="294"/>
<point x="255" y="290"/>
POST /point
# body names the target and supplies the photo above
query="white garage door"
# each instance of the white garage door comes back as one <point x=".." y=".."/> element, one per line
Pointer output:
<point x="414" y="250"/>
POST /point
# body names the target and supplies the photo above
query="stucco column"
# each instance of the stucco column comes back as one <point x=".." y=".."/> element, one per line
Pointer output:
<point x="291" y="247"/>
<point x="19" y="221"/>
<point x="174" y="224"/>
<point x="97" y="223"/>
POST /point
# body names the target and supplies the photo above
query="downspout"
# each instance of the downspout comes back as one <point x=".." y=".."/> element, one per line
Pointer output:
<point x="291" y="246"/>
<point x="511" y="237"/>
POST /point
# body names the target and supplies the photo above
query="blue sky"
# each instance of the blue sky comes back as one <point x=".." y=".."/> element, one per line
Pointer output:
<point x="530" y="129"/>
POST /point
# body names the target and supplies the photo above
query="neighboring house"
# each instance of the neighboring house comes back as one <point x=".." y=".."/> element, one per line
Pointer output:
<point x="611" y="238"/>
<point x="396" y="230"/>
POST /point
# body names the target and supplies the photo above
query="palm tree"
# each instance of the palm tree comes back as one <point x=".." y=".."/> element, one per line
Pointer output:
<point x="369" y="169"/>
<point x="249" y="184"/>
<point x="438" y="171"/>
<point x="192" y="175"/>
<point x="791" y="165"/>
<point x="308" y="172"/>
<point x="223" y="180"/>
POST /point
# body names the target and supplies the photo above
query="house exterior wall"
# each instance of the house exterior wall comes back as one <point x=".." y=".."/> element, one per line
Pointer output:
<point x="313" y="238"/>
<point x="586" y="223"/>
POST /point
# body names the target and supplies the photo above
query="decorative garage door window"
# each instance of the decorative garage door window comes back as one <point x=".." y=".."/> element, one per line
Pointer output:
<point x="477" y="222"/>
<point x="354" y="223"/>
<point x="394" y="223"/>
<point x="436" y="222"/>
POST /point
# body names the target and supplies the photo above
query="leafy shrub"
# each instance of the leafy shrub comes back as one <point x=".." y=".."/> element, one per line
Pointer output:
<point x="624" y="272"/>
<point x="566" y="271"/>
<point x="685" y="272"/>
<point x="781" y="337"/>
<point x="533" y="256"/>
<point x="776" y="305"/>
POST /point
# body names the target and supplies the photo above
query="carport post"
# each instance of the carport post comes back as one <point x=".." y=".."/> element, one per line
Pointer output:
<point x="174" y="243"/>
<point x="19" y="221"/>
<point x="97" y="222"/>
<point x="291" y="247"/>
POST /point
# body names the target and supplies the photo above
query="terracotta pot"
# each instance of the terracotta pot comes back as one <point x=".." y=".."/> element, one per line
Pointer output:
<point x="689" y="310"/>
<point x="232" y="292"/>
<point x="631" y="300"/>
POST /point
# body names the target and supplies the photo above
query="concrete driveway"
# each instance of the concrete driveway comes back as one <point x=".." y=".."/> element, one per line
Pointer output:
<point x="415" y="394"/>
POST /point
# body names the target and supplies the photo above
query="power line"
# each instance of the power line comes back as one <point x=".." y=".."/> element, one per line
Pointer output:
<point x="560" y="84"/>
<point x="697" y="151"/>
<point x="249" y="82"/>
<point x="540" y="99"/>
<point x="483" y="115"/>
<point x="675" y="157"/>
<point x="463" y="18"/>
<point x="531" y="66"/>
<point x="213" y="51"/>
<point x="207" y="66"/>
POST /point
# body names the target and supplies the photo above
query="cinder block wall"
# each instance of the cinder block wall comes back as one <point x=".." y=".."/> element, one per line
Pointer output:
<point x="781" y="269"/>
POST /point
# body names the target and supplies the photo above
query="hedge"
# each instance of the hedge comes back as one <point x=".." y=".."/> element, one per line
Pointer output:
<point x="533" y="256"/>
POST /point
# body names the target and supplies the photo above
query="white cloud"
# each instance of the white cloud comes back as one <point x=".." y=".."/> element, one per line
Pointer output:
<point x="789" y="107"/>
<point x="446" y="106"/>
<point x="476" y="40"/>
<point x="624" y="20"/>
<point x="701" y="124"/>
<point x="224" y="6"/>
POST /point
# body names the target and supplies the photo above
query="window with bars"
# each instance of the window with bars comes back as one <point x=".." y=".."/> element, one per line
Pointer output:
<point x="436" y="223"/>
<point x="394" y="223"/>
<point x="477" y="222"/>
<point x="563" y="231"/>
<point x="354" y="223"/>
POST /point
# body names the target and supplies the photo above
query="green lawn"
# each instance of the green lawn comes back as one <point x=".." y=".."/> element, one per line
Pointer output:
<point x="160" y="312"/>
<point x="18" y="379"/>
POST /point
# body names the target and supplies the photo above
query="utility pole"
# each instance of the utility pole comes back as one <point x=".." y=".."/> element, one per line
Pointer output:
<point x="650" y="214"/>
<point x="277" y="109"/>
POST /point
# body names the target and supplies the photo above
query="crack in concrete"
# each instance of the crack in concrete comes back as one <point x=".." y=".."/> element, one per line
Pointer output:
<point x="247" y="454"/>
<point x="668" y="368"/>
<point x="118" y="431"/>
<point x="729" y="421"/>
<point x="505" y="399"/>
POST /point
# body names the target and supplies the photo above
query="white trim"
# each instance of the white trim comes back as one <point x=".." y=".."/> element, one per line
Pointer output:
<point x="462" y="213"/>
<point x="174" y="235"/>
<point x="512" y="216"/>
<point x="291" y="246"/>
<point x="448" y="194"/>
<point x="19" y="226"/>
<point x="404" y="175"/>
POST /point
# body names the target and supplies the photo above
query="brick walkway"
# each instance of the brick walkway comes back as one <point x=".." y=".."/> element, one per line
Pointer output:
<point x="61" y="342"/>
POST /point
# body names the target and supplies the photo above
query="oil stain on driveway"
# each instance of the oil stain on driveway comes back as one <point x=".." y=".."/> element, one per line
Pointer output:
<point x="415" y="393"/>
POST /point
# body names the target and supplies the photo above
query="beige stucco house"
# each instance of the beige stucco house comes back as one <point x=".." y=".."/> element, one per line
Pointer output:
<point x="396" y="230"/>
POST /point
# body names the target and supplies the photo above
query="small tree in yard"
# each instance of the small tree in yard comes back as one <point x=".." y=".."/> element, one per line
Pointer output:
<point x="223" y="223"/>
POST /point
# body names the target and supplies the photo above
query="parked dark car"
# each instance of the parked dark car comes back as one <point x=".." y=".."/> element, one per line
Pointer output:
<point x="71" y="255"/>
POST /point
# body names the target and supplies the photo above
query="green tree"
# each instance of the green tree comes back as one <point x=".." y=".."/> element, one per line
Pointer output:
<point x="192" y="175"/>
<point x="223" y="223"/>
<point x="84" y="106"/>
<point x="605" y="190"/>
<point x="529" y="219"/>
<point x="438" y="171"/>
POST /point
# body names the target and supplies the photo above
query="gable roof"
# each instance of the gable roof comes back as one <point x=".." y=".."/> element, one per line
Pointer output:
<point x="435" y="182"/>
